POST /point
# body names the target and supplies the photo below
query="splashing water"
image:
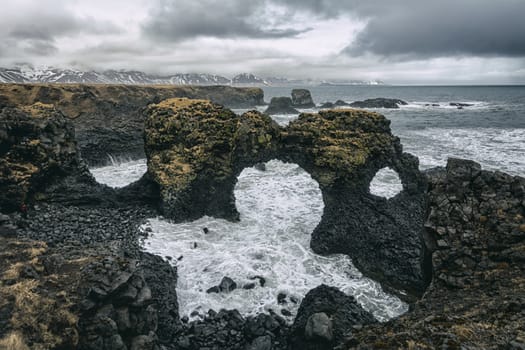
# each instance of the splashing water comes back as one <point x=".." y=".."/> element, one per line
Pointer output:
<point x="279" y="209"/>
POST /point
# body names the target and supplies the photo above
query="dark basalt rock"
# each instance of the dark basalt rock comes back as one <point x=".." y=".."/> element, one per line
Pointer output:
<point x="226" y="286"/>
<point x="281" y="105"/>
<point x="459" y="104"/>
<point x="302" y="98"/>
<point x="196" y="150"/>
<point x="108" y="119"/>
<point x="341" y="103"/>
<point x="378" y="103"/>
<point x="325" y="318"/>
<point x="198" y="178"/>
<point x="476" y="232"/>
<point x="327" y="105"/>
<point x="37" y="148"/>
<point x="78" y="298"/>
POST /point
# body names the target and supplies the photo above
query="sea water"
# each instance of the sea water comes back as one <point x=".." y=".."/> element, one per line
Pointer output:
<point x="281" y="206"/>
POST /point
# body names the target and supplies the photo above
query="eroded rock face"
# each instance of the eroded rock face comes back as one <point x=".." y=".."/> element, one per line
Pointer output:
<point x="108" y="119"/>
<point x="281" y="105"/>
<point x="476" y="230"/>
<point x="74" y="298"/>
<point x="378" y="103"/>
<point x="301" y="98"/>
<point x="196" y="150"/>
<point x="36" y="145"/>
<point x="325" y="317"/>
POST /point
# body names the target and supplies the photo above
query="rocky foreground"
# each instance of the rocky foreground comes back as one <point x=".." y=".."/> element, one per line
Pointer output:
<point x="72" y="274"/>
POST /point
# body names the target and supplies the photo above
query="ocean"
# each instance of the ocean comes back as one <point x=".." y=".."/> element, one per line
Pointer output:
<point x="281" y="206"/>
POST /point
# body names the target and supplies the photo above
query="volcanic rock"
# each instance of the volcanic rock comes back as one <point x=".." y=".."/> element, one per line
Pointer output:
<point x="281" y="105"/>
<point x="108" y="119"/>
<point x="37" y="147"/>
<point x="325" y="317"/>
<point x="301" y="98"/>
<point x="197" y="149"/>
<point x="477" y="296"/>
<point x="378" y="103"/>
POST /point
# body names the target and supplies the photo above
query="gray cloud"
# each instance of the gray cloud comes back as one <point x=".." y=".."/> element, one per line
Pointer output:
<point x="178" y="20"/>
<point x="34" y="30"/>
<point x="409" y="29"/>
<point x="477" y="28"/>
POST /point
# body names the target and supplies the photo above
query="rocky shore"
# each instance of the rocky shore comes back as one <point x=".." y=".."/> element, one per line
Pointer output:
<point x="108" y="118"/>
<point x="72" y="274"/>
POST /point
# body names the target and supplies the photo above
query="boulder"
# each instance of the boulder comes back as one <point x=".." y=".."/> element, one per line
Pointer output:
<point x="301" y="98"/>
<point x="341" y="103"/>
<point x="378" y="103"/>
<point x="37" y="146"/>
<point x="197" y="149"/>
<point x="325" y="317"/>
<point x="459" y="104"/>
<point x="281" y="105"/>
<point x="319" y="326"/>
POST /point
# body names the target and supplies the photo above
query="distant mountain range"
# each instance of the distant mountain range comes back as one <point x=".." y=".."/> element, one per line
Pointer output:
<point x="55" y="75"/>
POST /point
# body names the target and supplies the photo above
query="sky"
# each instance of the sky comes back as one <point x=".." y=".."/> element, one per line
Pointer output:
<point x="397" y="41"/>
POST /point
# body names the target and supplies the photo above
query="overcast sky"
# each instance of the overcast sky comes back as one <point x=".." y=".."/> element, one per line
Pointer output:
<point x="398" y="41"/>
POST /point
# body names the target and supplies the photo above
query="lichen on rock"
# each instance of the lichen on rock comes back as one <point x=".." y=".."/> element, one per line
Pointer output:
<point x="197" y="149"/>
<point x="194" y="149"/>
<point x="37" y="144"/>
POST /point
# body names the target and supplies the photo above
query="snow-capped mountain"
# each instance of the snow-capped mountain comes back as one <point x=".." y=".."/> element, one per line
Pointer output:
<point x="248" y="79"/>
<point x="53" y="75"/>
<point x="28" y="74"/>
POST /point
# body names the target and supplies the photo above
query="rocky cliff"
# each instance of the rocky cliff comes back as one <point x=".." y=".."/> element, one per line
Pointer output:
<point x="196" y="150"/>
<point x="476" y="231"/>
<point x="108" y="118"/>
<point x="72" y="274"/>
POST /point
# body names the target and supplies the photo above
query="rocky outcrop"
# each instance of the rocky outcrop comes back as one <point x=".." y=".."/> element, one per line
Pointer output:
<point x="196" y="150"/>
<point x="476" y="231"/>
<point x="281" y="105"/>
<point x="108" y="118"/>
<point x="325" y="318"/>
<point x="74" y="298"/>
<point x="301" y="98"/>
<point x="378" y="103"/>
<point x="37" y="147"/>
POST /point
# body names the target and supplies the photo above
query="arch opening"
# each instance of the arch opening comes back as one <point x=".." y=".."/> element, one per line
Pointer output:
<point x="386" y="183"/>
<point x="280" y="205"/>
<point x="120" y="173"/>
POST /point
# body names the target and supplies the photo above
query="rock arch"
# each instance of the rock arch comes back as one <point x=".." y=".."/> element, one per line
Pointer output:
<point x="196" y="150"/>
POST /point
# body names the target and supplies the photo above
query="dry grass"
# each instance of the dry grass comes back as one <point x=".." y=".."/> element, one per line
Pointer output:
<point x="13" y="341"/>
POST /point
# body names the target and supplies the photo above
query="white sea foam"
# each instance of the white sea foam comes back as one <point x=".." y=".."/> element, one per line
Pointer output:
<point x="279" y="209"/>
<point x="386" y="183"/>
<point x="494" y="148"/>
<point x="431" y="105"/>
<point x="120" y="173"/>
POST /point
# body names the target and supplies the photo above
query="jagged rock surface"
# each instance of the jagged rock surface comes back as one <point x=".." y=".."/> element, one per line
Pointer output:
<point x="378" y="103"/>
<point x="37" y="146"/>
<point x="281" y="105"/>
<point x="342" y="311"/>
<point x="108" y="118"/>
<point x="476" y="230"/>
<point x="302" y="98"/>
<point x="196" y="150"/>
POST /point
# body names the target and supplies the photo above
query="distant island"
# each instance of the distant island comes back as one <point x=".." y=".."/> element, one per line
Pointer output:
<point x="29" y="74"/>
